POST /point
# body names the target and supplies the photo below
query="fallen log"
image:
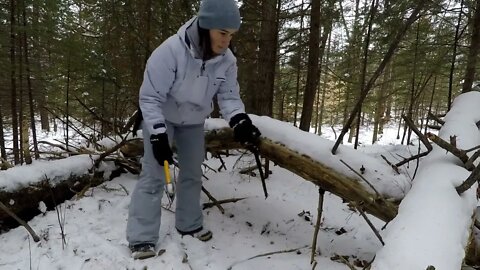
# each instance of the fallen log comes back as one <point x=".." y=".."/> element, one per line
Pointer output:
<point x="24" y="202"/>
<point x="348" y="188"/>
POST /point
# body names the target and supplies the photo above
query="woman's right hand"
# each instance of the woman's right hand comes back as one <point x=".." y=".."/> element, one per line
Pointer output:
<point x="161" y="148"/>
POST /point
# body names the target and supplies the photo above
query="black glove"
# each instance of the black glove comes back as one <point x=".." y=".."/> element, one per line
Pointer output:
<point x="243" y="129"/>
<point x="161" y="148"/>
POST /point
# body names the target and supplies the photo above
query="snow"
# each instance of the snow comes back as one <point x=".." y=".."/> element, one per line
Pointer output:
<point x="95" y="229"/>
<point x="432" y="225"/>
<point x="54" y="171"/>
<point x="431" y="228"/>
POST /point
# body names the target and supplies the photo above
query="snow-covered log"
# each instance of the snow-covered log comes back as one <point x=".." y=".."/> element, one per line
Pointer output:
<point x="346" y="187"/>
<point x="434" y="223"/>
<point x="309" y="156"/>
<point x="24" y="188"/>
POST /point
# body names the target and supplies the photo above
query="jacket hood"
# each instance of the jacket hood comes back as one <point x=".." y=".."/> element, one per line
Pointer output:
<point x="188" y="33"/>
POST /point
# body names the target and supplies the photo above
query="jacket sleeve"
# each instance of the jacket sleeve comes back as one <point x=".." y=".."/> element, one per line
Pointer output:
<point x="228" y="95"/>
<point x="157" y="81"/>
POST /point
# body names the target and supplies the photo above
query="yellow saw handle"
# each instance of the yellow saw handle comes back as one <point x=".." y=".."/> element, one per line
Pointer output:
<point x="167" y="171"/>
<point x="170" y="189"/>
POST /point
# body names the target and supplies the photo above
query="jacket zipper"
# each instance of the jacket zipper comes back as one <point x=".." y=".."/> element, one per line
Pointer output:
<point x="202" y="69"/>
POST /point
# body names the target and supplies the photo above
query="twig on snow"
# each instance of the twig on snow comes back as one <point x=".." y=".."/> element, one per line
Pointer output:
<point x="217" y="203"/>
<point x="266" y="254"/>
<point x="370" y="224"/>
<point x="19" y="220"/>
<point x="394" y="167"/>
<point x="363" y="178"/>
<point x="321" y="196"/>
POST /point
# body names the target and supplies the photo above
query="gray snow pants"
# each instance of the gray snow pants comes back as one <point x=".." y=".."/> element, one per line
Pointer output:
<point x="144" y="214"/>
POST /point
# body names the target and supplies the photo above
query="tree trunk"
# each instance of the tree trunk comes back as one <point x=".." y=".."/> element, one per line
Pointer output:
<point x="13" y="65"/>
<point x="363" y="76"/>
<point x="247" y="55"/>
<point x="25" y="146"/>
<point x="263" y="104"/>
<point x="326" y="23"/>
<point x="29" y="85"/>
<point x="3" y="152"/>
<point x="413" y="90"/>
<point x="41" y="95"/>
<point x="473" y="52"/>
<point x="67" y="104"/>
<point x="380" y="106"/>
<point x="353" y="61"/>
<point x="431" y="103"/>
<point x="389" y="99"/>
<point x="454" y="56"/>
<point x="325" y="86"/>
<point x="313" y="66"/>
<point x="299" y="64"/>
<point x="21" y="102"/>
<point x="148" y="33"/>
<point x="103" y="127"/>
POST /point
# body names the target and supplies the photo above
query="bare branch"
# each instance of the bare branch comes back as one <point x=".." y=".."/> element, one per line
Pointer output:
<point x="468" y="183"/>
<point x="218" y="203"/>
<point x="370" y="224"/>
<point x="19" y="220"/>
<point x="461" y="154"/>
<point x="435" y="118"/>
<point x="215" y="201"/>
<point x="361" y="176"/>
<point x="321" y="196"/>
<point x="394" y="167"/>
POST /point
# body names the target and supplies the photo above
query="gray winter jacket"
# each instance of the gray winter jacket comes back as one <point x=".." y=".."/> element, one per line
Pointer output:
<point x="178" y="86"/>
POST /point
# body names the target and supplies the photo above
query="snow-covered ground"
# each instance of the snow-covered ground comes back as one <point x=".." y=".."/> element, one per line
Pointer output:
<point x="95" y="229"/>
<point x="282" y="225"/>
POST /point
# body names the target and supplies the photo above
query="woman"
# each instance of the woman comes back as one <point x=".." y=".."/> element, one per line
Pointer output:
<point x="181" y="77"/>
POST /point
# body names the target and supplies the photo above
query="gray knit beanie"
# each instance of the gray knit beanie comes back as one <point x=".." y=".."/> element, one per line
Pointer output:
<point x="219" y="14"/>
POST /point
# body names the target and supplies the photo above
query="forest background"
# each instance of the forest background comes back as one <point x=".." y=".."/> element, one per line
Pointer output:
<point x="311" y="63"/>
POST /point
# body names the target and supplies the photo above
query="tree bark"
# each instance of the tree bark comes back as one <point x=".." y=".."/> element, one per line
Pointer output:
<point x="313" y="66"/>
<point x="413" y="89"/>
<point x="13" y="104"/>
<point x="247" y="54"/>
<point x="41" y="96"/>
<point x="3" y="152"/>
<point x="29" y="85"/>
<point x="473" y="52"/>
<point x="380" y="106"/>
<point x="263" y="104"/>
<point x="299" y="64"/>
<point x="325" y="86"/>
<point x="25" y="145"/>
<point x="454" y="57"/>
<point x="363" y="76"/>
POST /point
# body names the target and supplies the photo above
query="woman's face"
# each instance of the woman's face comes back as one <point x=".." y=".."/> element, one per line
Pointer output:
<point x="220" y="39"/>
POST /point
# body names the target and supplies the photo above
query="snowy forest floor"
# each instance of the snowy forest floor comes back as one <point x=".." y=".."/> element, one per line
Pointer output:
<point x="94" y="226"/>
